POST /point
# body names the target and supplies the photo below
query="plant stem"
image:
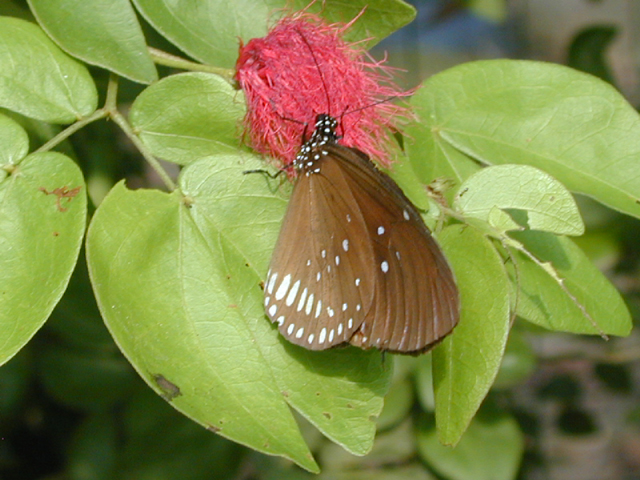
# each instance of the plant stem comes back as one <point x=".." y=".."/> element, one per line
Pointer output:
<point x="118" y="118"/>
<point x="71" y="129"/>
<point x="168" y="60"/>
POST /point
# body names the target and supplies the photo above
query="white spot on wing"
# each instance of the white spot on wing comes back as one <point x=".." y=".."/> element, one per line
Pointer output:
<point x="345" y="245"/>
<point x="357" y="282"/>
<point x="293" y="293"/>
<point x="307" y="309"/>
<point x="303" y="297"/>
<point x="350" y="323"/>
<point x="310" y="340"/>
<point x="266" y="301"/>
<point x="405" y="214"/>
<point x="323" y="335"/>
<point x="272" y="310"/>
<point x="318" y="276"/>
<point x="324" y="253"/>
<point x="272" y="283"/>
<point x="337" y="259"/>
<point x="330" y="311"/>
<point x="318" y="308"/>
<point x="290" y="329"/>
<point x="344" y="306"/>
<point x="280" y="320"/>
<point x="284" y="287"/>
<point x="300" y="332"/>
<point x="331" y="335"/>
<point x="380" y="230"/>
<point x="384" y="266"/>
<point x="340" y="329"/>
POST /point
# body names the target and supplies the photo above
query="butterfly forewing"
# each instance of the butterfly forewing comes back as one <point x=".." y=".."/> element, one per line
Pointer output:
<point x="319" y="285"/>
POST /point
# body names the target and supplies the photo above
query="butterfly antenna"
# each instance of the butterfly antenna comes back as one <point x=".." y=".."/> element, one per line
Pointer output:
<point x="315" y="60"/>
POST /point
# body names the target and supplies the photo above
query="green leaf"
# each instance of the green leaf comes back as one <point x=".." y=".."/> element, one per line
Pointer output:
<point x="189" y="116"/>
<point x="543" y="302"/>
<point x="491" y="449"/>
<point x="42" y="220"/>
<point x="105" y="33"/>
<point x="393" y="447"/>
<point x="39" y="80"/>
<point x="572" y="125"/>
<point x="466" y="363"/>
<point x="424" y="383"/>
<point x="430" y="155"/>
<point x="14" y="143"/>
<point x="378" y="18"/>
<point x="208" y="30"/>
<point x="540" y="201"/>
<point x="397" y="404"/>
<point x="183" y="272"/>
<point x="403" y="174"/>
<point x="492" y="10"/>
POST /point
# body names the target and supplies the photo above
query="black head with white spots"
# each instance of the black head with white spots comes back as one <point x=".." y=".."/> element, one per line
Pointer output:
<point x="311" y="151"/>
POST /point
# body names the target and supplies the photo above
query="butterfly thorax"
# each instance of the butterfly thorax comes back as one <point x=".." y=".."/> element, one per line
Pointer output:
<point x="311" y="151"/>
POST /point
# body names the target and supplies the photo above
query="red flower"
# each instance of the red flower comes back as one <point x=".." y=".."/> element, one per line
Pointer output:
<point x="303" y="68"/>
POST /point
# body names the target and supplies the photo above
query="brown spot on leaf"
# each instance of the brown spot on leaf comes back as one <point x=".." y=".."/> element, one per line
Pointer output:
<point x="327" y="414"/>
<point x="62" y="193"/>
<point x="169" y="390"/>
<point x="213" y="428"/>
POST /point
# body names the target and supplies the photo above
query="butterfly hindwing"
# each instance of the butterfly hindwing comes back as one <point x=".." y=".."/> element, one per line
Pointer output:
<point x="415" y="299"/>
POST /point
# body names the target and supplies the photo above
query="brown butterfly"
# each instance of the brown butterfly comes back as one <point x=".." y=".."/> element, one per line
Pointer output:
<point x="354" y="262"/>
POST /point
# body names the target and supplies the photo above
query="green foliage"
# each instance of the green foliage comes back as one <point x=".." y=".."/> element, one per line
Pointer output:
<point x="42" y="221"/>
<point x="105" y="33"/>
<point x="173" y="117"/>
<point x="38" y="79"/>
<point x="490" y="436"/>
<point x="177" y="272"/>
<point x="466" y="363"/>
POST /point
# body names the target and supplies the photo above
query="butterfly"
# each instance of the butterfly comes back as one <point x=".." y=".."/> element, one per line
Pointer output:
<point x="354" y="262"/>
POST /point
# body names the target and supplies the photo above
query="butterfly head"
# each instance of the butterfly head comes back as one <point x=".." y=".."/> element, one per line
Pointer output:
<point x="324" y="133"/>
